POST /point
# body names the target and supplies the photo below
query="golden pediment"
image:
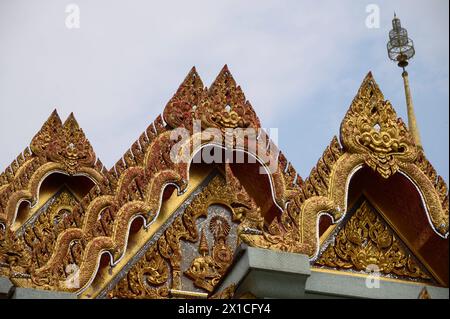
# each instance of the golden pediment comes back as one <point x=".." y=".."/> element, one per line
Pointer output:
<point x="365" y="243"/>
<point x="135" y="229"/>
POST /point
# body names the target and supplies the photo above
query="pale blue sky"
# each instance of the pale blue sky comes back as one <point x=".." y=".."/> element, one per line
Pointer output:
<point x="300" y="63"/>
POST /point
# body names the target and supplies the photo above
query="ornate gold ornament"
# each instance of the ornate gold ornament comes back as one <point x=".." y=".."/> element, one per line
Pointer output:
<point x="64" y="143"/>
<point x="370" y="135"/>
<point x="226" y="293"/>
<point x="32" y="245"/>
<point x="57" y="147"/>
<point x="206" y="269"/>
<point x="366" y="241"/>
<point x="371" y="128"/>
<point x="222" y="106"/>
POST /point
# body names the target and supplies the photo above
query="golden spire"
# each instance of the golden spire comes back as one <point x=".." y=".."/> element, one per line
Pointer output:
<point x="412" y="123"/>
<point x="203" y="247"/>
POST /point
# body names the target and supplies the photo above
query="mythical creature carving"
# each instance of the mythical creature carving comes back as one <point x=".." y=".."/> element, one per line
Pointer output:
<point x="57" y="147"/>
<point x="206" y="269"/>
<point x="365" y="240"/>
<point x="222" y="106"/>
<point x="64" y="143"/>
<point x="32" y="245"/>
<point x="371" y="128"/>
<point x="371" y="134"/>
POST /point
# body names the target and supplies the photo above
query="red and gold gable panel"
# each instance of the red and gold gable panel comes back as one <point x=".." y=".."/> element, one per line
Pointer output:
<point x="174" y="252"/>
<point x="365" y="243"/>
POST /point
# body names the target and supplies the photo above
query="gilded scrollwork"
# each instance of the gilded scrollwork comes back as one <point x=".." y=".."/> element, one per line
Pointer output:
<point x="64" y="143"/>
<point x="31" y="246"/>
<point x="57" y="147"/>
<point x="371" y="128"/>
<point x="206" y="269"/>
<point x="366" y="241"/>
<point x="370" y="135"/>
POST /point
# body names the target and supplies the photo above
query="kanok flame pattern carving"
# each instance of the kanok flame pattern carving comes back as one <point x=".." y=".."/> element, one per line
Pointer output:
<point x="371" y="128"/>
<point x="65" y="143"/>
<point x="165" y="256"/>
<point x="366" y="240"/>
<point x="370" y="135"/>
<point x="222" y="106"/>
<point x="56" y="147"/>
<point x="33" y="246"/>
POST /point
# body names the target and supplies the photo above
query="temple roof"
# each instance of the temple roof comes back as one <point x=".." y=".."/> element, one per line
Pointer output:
<point x="372" y="140"/>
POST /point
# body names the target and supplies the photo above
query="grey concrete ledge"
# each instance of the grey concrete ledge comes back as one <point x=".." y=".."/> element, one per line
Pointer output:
<point x="271" y="274"/>
<point x="268" y="274"/>
<point x="6" y="287"/>
<point x="29" y="293"/>
<point x="322" y="284"/>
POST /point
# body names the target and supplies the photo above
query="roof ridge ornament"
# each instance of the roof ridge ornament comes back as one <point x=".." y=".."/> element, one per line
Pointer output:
<point x="222" y="106"/>
<point x="63" y="143"/>
<point x="371" y="128"/>
<point x="179" y="110"/>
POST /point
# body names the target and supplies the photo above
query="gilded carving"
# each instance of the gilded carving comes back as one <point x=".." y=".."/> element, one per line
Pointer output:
<point x="371" y="128"/>
<point x="366" y="240"/>
<point x="31" y="247"/>
<point x="370" y="135"/>
<point x="64" y="143"/>
<point x="226" y="293"/>
<point x="222" y="106"/>
<point x="206" y="269"/>
<point x="57" y="147"/>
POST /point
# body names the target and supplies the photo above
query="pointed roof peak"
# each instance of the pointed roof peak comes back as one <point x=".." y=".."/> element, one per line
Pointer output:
<point x="369" y="118"/>
<point x="71" y="121"/>
<point x="192" y="76"/>
<point x="225" y="68"/>
<point x="187" y="96"/>
<point x="224" y="79"/>
<point x="54" y="113"/>
<point x="193" y="100"/>
<point x="54" y="117"/>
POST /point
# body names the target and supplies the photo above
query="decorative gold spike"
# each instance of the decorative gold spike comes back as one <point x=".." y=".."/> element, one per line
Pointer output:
<point x="203" y="248"/>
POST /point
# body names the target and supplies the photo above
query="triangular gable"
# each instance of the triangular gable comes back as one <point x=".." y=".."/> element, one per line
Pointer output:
<point x="57" y="147"/>
<point x="364" y="242"/>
